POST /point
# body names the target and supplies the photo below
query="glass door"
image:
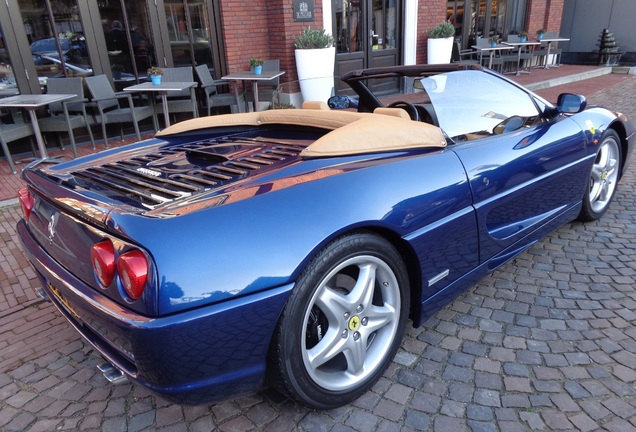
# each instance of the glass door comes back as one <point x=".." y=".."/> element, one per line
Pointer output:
<point x="485" y="18"/>
<point x="189" y="32"/>
<point x="55" y="34"/>
<point x="383" y="30"/>
<point x="367" y="35"/>
<point x="8" y="85"/>
<point x="488" y="18"/>
<point x="128" y="36"/>
<point x="350" y="36"/>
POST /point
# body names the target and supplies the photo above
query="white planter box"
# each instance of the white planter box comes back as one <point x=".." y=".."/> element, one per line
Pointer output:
<point x="439" y="50"/>
<point x="315" y="72"/>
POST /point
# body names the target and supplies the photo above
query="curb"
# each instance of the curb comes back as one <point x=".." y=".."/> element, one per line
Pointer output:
<point x="9" y="203"/>
<point x="630" y="70"/>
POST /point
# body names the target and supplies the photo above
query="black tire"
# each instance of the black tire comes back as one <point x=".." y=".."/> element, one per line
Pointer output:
<point x="604" y="177"/>
<point x="333" y="342"/>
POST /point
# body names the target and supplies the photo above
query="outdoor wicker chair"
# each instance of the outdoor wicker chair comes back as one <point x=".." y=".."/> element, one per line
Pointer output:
<point x="109" y="109"/>
<point x="213" y="98"/>
<point x="13" y="132"/>
<point x="67" y="115"/>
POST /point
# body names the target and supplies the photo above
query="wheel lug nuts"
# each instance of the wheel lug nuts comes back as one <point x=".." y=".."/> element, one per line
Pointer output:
<point x="359" y="308"/>
<point x="356" y="336"/>
<point x="345" y="334"/>
<point x="347" y="315"/>
<point x="365" y="321"/>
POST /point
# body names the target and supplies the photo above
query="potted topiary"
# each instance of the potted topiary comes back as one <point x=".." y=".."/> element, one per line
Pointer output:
<point x="540" y="33"/>
<point x="494" y="40"/>
<point x="155" y="73"/>
<point x="256" y="65"/>
<point x="315" y="59"/>
<point x="440" y="43"/>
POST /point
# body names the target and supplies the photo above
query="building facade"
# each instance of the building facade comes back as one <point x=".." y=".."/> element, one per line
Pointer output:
<point x="583" y="22"/>
<point x="122" y="38"/>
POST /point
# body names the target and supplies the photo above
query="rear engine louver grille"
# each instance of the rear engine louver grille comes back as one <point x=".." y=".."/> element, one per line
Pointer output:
<point x="176" y="172"/>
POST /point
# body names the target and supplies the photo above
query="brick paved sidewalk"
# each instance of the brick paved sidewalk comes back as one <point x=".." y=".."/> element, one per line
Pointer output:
<point x="547" y="342"/>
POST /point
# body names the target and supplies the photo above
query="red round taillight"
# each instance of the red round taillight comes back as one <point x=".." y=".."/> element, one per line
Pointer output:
<point x="103" y="259"/>
<point x="133" y="271"/>
<point x="26" y="202"/>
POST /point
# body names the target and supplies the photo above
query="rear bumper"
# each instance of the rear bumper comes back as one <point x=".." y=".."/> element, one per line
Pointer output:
<point x="197" y="356"/>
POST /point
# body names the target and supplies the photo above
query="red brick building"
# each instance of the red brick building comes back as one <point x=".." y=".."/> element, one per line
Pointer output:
<point x="267" y="29"/>
<point x="225" y="34"/>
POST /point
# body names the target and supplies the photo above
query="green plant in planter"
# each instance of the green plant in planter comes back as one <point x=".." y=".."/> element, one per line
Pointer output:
<point x="494" y="39"/>
<point x="155" y="70"/>
<point x="523" y="34"/>
<point x="281" y="105"/>
<point x="442" y="31"/>
<point x="256" y="62"/>
<point x="313" y="39"/>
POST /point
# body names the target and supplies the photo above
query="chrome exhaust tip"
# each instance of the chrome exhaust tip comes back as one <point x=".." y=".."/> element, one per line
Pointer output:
<point x="112" y="374"/>
<point x="105" y="367"/>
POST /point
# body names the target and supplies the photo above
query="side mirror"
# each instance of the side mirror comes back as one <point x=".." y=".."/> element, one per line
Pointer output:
<point x="569" y="103"/>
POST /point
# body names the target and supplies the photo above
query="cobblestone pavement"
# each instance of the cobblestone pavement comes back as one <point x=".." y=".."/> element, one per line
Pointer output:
<point x="547" y="342"/>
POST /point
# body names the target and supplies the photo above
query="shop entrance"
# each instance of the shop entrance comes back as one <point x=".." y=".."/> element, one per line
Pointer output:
<point x="367" y="34"/>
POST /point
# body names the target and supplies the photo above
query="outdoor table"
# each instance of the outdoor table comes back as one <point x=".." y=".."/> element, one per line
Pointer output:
<point x="251" y="76"/>
<point x="550" y="41"/>
<point x="163" y="88"/>
<point x="491" y="51"/>
<point x="520" y="46"/>
<point x="31" y="102"/>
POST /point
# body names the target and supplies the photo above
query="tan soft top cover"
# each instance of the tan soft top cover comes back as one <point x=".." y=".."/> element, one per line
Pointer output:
<point x="351" y="132"/>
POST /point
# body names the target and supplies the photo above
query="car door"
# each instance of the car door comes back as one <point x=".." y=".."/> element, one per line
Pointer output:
<point x="525" y="169"/>
<point x="523" y="180"/>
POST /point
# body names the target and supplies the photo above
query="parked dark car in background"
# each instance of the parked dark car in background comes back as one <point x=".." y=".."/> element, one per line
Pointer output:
<point x="291" y="247"/>
<point x="48" y="63"/>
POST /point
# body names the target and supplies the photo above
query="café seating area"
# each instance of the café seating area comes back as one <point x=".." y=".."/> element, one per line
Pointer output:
<point x="18" y="136"/>
<point x="80" y="109"/>
<point x="512" y="54"/>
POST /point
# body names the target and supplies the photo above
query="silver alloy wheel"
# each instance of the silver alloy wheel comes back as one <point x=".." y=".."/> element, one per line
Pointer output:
<point x="604" y="175"/>
<point x="360" y="302"/>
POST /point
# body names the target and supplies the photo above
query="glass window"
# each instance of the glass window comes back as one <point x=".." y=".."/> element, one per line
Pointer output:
<point x="384" y="23"/>
<point x="128" y="39"/>
<point x="517" y="16"/>
<point x="483" y="18"/>
<point x="56" y="37"/>
<point x="189" y="32"/>
<point x="8" y="86"/>
<point x="349" y="26"/>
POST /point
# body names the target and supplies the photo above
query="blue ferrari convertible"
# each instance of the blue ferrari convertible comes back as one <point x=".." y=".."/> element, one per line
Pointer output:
<point x="292" y="247"/>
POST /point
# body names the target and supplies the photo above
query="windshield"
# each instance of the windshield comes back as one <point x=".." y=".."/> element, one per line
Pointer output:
<point x="468" y="102"/>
